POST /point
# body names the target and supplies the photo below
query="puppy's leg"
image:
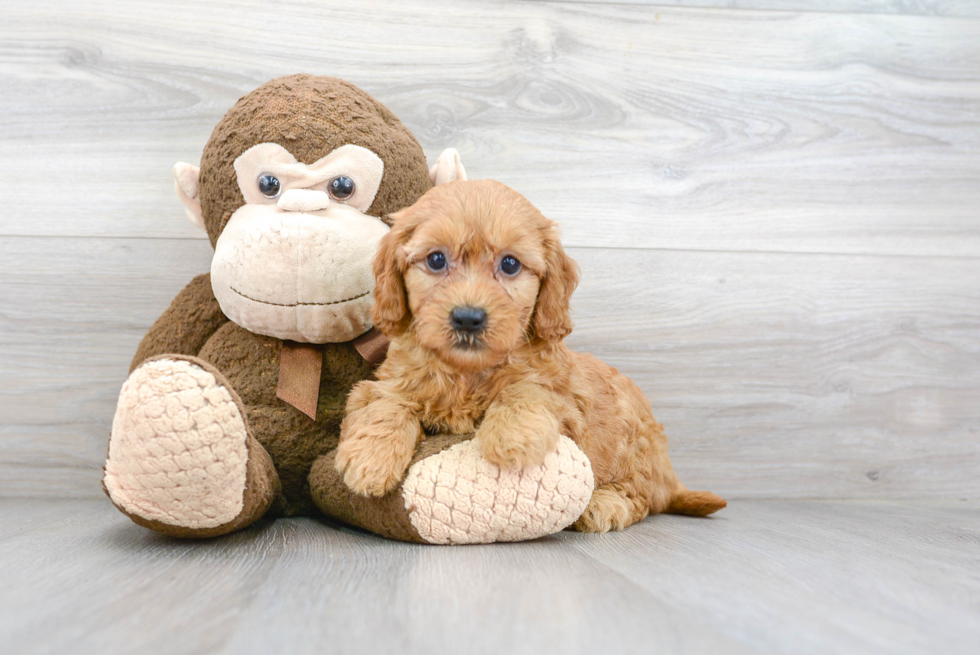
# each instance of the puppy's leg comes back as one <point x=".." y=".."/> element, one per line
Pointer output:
<point x="620" y="505"/>
<point x="377" y="440"/>
<point x="612" y="507"/>
<point x="644" y="480"/>
<point x="520" y="427"/>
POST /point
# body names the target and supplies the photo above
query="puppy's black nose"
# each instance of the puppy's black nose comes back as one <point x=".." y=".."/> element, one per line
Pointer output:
<point x="468" y="319"/>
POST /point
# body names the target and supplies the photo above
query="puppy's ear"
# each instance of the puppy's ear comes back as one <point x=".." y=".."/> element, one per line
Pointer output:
<point x="552" y="319"/>
<point x="390" y="311"/>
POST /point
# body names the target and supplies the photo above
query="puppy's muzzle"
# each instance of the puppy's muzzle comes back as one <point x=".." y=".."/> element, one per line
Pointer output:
<point x="468" y="320"/>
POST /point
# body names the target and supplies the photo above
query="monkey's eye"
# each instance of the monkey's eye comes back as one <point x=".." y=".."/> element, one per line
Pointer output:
<point x="436" y="261"/>
<point x="341" y="187"/>
<point x="269" y="185"/>
<point x="510" y="266"/>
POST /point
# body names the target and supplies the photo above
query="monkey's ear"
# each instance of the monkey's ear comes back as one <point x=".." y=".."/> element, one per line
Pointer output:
<point x="186" y="179"/>
<point x="448" y="167"/>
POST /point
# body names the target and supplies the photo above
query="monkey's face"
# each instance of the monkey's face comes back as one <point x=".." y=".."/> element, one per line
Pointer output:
<point x="294" y="262"/>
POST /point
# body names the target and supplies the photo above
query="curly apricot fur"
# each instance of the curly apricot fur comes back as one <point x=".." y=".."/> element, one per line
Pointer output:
<point x="515" y="383"/>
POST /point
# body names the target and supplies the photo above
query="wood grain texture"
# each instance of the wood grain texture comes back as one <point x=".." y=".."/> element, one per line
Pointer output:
<point x="776" y="212"/>
<point x="957" y="8"/>
<point x="780" y="577"/>
<point x="636" y="126"/>
<point x="776" y="375"/>
<point x="825" y="376"/>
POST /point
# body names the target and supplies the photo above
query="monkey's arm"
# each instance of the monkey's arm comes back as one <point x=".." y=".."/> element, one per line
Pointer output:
<point x="186" y="325"/>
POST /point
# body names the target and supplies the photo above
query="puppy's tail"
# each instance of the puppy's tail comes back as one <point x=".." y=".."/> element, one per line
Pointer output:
<point x="694" y="503"/>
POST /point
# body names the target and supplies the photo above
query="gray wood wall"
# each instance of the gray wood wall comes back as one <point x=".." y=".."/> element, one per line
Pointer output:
<point x="777" y="210"/>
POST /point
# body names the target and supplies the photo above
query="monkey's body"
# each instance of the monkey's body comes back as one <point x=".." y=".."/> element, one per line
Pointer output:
<point x="250" y="364"/>
<point x="293" y="191"/>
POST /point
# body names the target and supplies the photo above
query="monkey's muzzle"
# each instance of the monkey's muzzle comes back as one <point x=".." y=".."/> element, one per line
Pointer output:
<point x="298" y="275"/>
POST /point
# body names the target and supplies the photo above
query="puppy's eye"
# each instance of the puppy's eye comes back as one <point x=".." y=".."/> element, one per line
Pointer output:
<point x="341" y="187"/>
<point x="436" y="261"/>
<point x="510" y="266"/>
<point x="269" y="185"/>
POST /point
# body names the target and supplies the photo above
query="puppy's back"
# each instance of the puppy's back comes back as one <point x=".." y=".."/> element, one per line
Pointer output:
<point x="618" y="417"/>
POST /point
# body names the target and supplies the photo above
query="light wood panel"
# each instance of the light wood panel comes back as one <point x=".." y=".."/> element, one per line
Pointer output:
<point x="776" y="375"/>
<point x="960" y="8"/>
<point x="822" y="375"/>
<point x="72" y="312"/>
<point x="776" y="212"/>
<point x="636" y="126"/>
<point x="778" y="577"/>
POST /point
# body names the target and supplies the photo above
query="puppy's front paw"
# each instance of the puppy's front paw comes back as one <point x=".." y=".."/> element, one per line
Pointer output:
<point x="376" y="447"/>
<point x="369" y="464"/>
<point x="516" y="445"/>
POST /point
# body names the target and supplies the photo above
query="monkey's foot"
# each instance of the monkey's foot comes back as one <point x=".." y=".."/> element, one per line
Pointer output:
<point x="181" y="459"/>
<point x="452" y="495"/>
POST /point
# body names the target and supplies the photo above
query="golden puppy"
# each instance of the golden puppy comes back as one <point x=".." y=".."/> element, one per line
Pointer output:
<point x="472" y="289"/>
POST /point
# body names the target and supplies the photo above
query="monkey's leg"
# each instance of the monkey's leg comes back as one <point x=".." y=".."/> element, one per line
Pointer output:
<point x="181" y="458"/>
<point x="452" y="495"/>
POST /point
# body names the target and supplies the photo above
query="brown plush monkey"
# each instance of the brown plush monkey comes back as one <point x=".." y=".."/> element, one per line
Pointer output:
<point x="236" y="394"/>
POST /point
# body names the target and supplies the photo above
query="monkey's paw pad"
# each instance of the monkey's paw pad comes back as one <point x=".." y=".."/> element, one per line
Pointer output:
<point x="177" y="453"/>
<point x="458" y="497"/>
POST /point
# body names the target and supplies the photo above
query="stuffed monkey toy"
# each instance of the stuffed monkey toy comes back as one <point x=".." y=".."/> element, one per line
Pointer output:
<point x="233" y="405"/>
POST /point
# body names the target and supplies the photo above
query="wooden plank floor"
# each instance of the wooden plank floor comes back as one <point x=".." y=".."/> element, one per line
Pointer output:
<point x="763" y="576"/>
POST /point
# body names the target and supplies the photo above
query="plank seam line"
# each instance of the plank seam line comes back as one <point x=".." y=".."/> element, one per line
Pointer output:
<point x="653" y="6"/>
<point x="814" y="253"/>
<point x="570" y="246"/>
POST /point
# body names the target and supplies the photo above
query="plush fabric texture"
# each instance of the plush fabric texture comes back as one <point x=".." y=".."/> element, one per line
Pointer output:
<point x="386" y="515"/>
<point x="183" y="329"/>
<point x="180" y="454"/>
<point x="311" y="117"/>
<point x="186" y="178"/>
<point x="448" y="168"/>
<point x="452" y="496"/>
<point x="251" y="364"/>
<point x="458" y="497"/>
<point x="277" y="274"/>
<point x="363" y="166"/>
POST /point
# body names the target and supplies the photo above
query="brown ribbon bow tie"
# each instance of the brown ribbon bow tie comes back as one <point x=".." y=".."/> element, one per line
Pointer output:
<point x="300" y="365"/>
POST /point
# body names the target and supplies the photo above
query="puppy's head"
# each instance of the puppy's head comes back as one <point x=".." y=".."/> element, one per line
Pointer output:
<point x="472" y="270"/>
